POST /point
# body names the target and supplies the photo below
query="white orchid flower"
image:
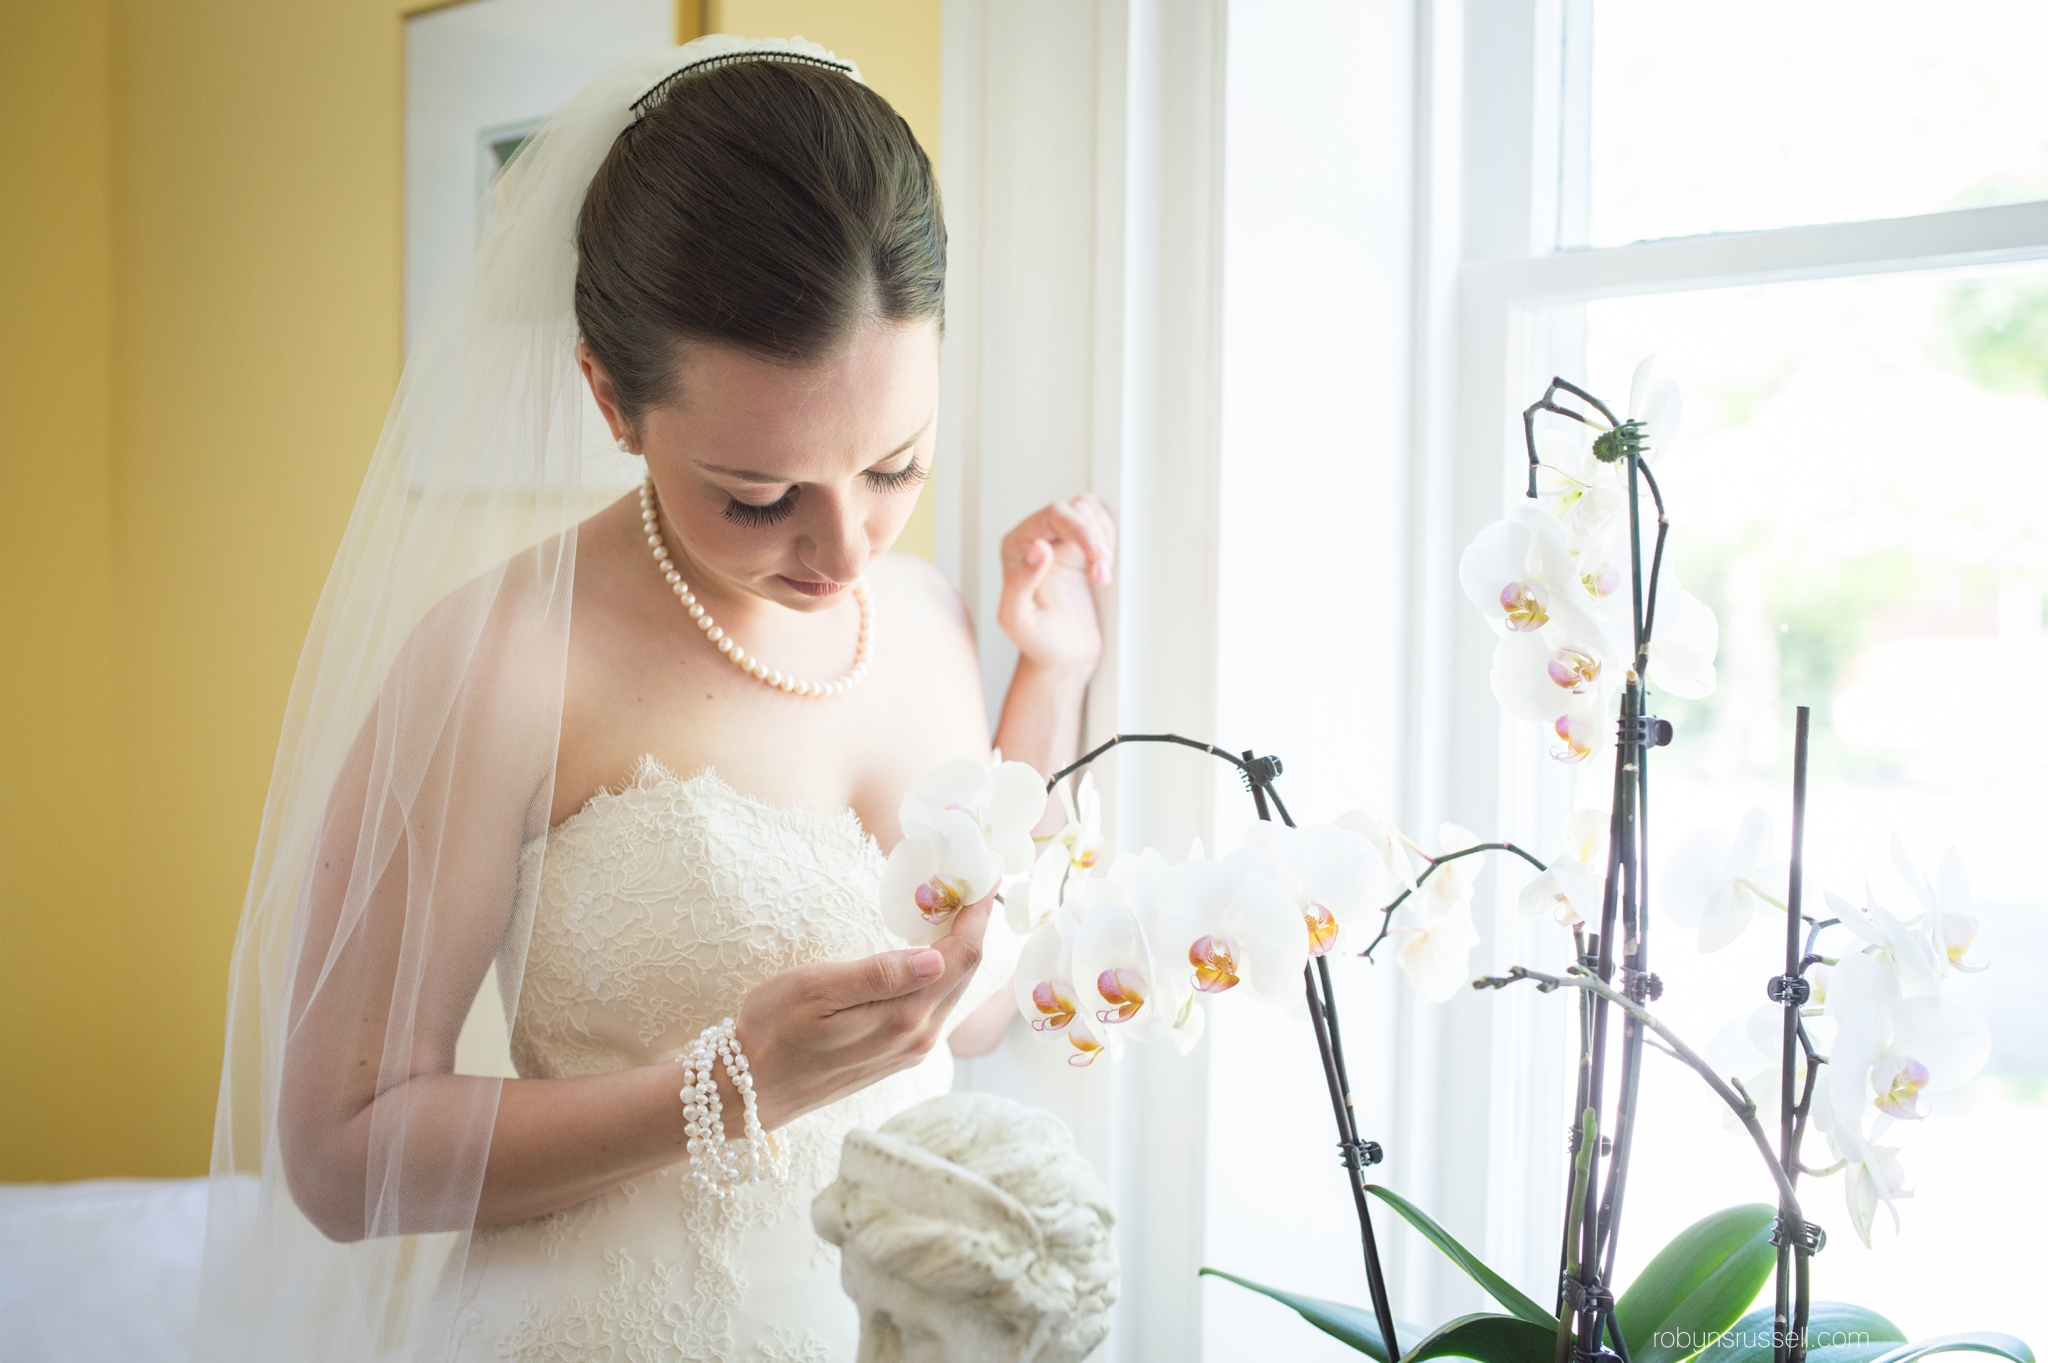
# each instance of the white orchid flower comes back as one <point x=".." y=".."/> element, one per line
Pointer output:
<point x="1572" y="888"/>
<point x="1684" y="639"/>
<point x="1519" y="573"/>
<point x="1909" y="954"/>
<point x="1233" y="924"/>
<point x="1901" y="1043"/>
<point x="1074" y="850"/>
<point x="1048" y="998"/>
<point x="1950" y="925"/>
<point x="965" y="824"/>
<point x="1436" y="941"/>
<point x="1714" y="883"/>
<point x="1005" y="799"/>
<point x="1386" y="840"/>
<point x="1873" y="1175"/>
<point x="1081" y="836"/>
<point x="1124" y="961"/>
<point x="1585" y="495"/>
<point x="942" y="865"/>
<point x="1542" y="676"/>
<point x="1655" y="403"/>
<point x="1336" y="878"/>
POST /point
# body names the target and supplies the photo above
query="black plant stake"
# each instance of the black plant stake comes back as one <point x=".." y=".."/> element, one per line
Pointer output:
<point x="1259" y="774"/>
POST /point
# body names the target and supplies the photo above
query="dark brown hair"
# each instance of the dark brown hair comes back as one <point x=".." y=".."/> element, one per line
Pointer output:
<point x="768" y="205"/>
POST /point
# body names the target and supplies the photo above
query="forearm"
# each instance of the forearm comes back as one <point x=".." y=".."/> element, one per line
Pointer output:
<point x="553" y="1143"/>
<point x="1041" y="720"/>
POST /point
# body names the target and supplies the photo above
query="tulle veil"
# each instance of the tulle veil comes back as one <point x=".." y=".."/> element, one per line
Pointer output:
<point x="432" y="679"/>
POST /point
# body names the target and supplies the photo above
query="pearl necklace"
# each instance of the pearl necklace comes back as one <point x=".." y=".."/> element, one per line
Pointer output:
<point x="744" y="661"/>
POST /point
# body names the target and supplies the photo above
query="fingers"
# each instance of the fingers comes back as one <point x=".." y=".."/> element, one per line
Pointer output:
<point x="839" y="985"/>
<point x="1082" y="522"/>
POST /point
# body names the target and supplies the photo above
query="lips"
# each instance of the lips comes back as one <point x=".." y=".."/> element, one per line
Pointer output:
<point x="810" y="588"/>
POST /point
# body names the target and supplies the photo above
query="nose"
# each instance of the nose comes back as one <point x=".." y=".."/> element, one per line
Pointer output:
<point x="835" y="545"/>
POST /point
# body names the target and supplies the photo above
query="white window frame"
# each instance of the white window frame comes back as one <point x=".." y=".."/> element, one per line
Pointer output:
<point x="1503" y="140"/>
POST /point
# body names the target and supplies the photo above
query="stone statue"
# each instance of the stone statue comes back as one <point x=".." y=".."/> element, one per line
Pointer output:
<point x="971" y="1231"/>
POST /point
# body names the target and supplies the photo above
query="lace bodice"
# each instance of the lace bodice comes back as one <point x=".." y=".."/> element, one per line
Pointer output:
<point x="659" y="906"/>
<point x="664" y="902"/>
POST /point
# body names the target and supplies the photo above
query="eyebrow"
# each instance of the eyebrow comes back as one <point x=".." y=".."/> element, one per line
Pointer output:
<point x="770" y="479"/>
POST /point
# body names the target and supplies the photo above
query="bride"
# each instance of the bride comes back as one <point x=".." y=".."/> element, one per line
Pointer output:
<point x="639" y="766"/>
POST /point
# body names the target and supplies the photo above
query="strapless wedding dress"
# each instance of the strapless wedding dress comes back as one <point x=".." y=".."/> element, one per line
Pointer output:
<point x="660" y="906"/>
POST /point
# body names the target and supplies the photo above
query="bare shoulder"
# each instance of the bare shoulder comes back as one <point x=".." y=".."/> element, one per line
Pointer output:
<point x="918" y="598"/>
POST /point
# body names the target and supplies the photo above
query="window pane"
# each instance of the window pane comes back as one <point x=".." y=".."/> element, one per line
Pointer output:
<point x="1748" y="114"/>
<point x="1860" y="490"/>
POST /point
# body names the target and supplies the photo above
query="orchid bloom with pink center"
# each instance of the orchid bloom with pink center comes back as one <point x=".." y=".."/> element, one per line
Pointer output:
<point x="1895" y="1038"/>
<point x="1578" y="732"/>
<point x="965" y="824"/>
<point x="1048" y="999"/>
<point x="1239" y="923"/>
<point x="1898" y="1080"/>
<point x="1519" y="572"/>
<point x="1547" y="677"/>
<point x="1133" y="979"/>
<point x="1336" y="877"/>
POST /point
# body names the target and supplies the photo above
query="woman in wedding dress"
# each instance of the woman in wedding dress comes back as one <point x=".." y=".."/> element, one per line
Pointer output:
<point x="519" y="742"/>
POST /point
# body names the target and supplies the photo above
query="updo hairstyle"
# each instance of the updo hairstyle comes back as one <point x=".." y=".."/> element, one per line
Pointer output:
<point x="774" y="206"/>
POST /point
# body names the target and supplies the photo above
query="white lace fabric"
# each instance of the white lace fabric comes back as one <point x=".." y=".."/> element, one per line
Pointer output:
<point x="659" y="906"/>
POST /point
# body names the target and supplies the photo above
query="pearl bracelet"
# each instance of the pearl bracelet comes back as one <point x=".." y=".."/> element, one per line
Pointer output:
<point x="718" y="1165"/>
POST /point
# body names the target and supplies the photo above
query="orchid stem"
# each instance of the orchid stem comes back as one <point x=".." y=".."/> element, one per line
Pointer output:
<point x="1387" y="914"/>
<point x="1577" y="977"/>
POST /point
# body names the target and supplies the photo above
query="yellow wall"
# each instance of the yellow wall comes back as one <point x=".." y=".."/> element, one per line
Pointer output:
<point x="63" y="996"/>
<point x="199" y="332"/>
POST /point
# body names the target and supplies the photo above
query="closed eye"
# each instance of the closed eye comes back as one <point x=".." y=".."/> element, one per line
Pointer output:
<point x="910" y="475"/>
<point x="770" y="513"/>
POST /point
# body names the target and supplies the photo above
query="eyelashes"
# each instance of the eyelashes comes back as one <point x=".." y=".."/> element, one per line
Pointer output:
<point x="910" y="475"/>
<point x="782" y="508"/>
<point x="773" y="513"/>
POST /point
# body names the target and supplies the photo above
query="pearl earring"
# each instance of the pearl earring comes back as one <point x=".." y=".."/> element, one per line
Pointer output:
<point x="624" y="448"/>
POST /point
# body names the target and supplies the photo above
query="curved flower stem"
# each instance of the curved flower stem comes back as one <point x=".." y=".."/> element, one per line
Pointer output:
<point x="1387" y="914"/>
<point x="1577" y="977"/>
<point x="1085" y="758"/>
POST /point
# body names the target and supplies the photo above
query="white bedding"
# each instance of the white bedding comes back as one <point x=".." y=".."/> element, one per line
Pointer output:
<point x="105" y="1271"/>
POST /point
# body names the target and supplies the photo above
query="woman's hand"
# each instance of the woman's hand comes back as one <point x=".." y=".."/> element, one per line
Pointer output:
<point x="815" y="1033"/>
<point x="1051" y="564"/>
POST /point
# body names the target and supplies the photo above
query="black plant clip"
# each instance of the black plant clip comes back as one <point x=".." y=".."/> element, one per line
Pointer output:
<point x="1645" y="731"/>
<point x="1794" y="990"/>
<point x="1644" y="986"/>
<point x="1259" y="771"/>
<point x="1369" y="1152"/>
<point x="1579" y="1296"/>
<point x="1805" y="1236"/>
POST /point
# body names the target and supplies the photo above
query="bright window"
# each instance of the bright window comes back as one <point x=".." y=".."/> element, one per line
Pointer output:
<point x="1860" y="492"/>
<point x="1749" y="114"/>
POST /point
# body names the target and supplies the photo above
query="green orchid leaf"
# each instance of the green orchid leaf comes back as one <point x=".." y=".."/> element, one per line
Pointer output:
<point x="1351" y="1324"/>
<point x="1497" y="1287"/>
<point x="1698" y="1285"/>
<point x="1836" y="1332"/>
<point x="1488" y="1339"/>
<point x="1972" y="1342"/>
